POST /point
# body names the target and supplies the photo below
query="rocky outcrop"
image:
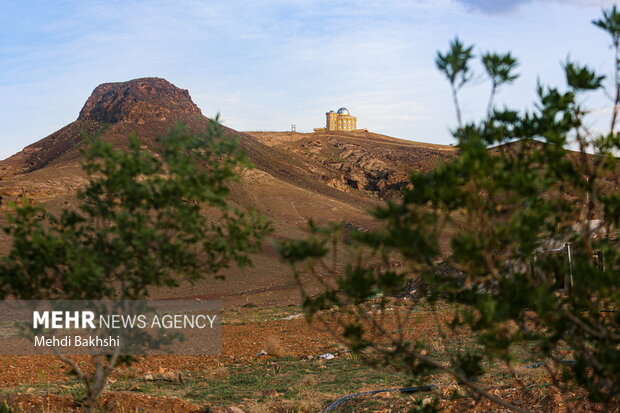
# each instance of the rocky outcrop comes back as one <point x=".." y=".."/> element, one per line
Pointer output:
<point x="148" y="105"/>
<point x="362" y="170"/>
<point x="137" y="101"/>
<point x="358" y="162"/>
<point x="356" y="167"/>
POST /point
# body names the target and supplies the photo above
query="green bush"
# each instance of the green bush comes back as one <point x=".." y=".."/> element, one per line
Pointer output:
<point x="522" y="215"/>
<point x="144" y="219"/>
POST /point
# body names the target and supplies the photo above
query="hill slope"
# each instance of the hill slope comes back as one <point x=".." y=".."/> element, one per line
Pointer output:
<point x="327" y="177"/>
<point x="373" y="164"/>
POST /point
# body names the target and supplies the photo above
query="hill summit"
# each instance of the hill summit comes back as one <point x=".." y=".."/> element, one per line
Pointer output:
<point x="136" y="100"/>
<point x="146" y="106"/>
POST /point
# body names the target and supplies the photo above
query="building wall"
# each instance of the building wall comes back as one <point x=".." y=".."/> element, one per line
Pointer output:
<point x="336" y="122"/>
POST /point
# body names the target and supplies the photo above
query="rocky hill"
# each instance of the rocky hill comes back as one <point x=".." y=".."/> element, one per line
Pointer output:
<point x="138" y="101"/>
<point x="351" y="167"/>
<point x="323" y="176"/>
<point x="148" y="106"/>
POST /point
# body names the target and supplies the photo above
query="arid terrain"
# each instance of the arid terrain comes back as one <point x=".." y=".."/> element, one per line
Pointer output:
<point x="327" y="177"/>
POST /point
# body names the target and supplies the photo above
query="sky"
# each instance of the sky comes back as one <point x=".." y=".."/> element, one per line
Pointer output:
<point x="264" y="65"/>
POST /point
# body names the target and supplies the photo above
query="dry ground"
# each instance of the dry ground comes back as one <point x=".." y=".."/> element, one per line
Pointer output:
<point x="290" y="378"/>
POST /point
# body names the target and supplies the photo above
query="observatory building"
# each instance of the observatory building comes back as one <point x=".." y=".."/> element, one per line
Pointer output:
<point x="339" y="121"/>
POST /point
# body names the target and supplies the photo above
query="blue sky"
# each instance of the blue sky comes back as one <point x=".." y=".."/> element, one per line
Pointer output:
<point x="267" y="64"/>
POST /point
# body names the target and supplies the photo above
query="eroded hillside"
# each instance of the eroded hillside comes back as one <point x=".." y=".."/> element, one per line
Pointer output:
<point x="375" y="165"/>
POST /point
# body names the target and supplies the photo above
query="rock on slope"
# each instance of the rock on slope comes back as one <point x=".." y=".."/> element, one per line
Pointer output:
<point x="375" y="165"/>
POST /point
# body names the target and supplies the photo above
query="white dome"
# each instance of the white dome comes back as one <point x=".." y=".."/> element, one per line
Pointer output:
<point x="343" y="111"/>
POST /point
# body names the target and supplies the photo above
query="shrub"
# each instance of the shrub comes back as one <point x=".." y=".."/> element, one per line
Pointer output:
<point x="522" y="215"/>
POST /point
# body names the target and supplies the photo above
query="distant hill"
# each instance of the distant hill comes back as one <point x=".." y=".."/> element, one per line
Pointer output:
<point x="325" y="176"/>
<point x="350" y="167"/>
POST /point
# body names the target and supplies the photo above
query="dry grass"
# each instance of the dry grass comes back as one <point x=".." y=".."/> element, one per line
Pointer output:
<point x="311" y="403"/>
<point x="274" y="347"/>
<point x="218" y="373"/>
